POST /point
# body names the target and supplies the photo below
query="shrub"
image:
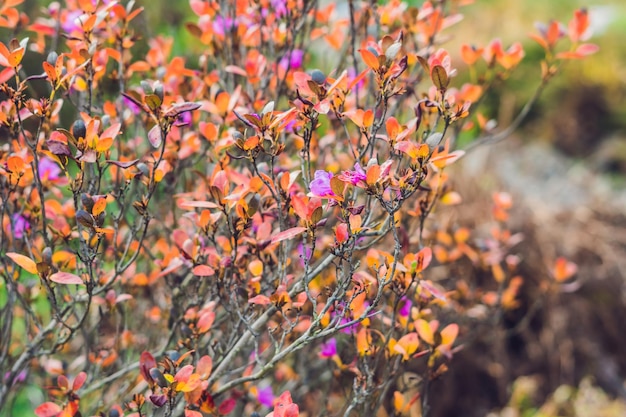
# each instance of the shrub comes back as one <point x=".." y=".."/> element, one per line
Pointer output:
<point x="198" y="236"/>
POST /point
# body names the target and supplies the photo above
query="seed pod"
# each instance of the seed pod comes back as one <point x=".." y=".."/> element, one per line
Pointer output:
<point x="173" y="355"/>
<point x="79" y="130"/>
<point x="143" y="168"/>
<point x="87" y="202"/>
<point x="158" y="90"/>
<point x="158" y="377"/>
<point x="100" y="218"/>
<point x="318" y="76"/>
<point x="85" y="219"/>
<point x="46" y="256"/>
<point x="52" y="58"/>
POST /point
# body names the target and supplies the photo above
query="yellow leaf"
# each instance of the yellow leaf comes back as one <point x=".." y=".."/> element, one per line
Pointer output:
<point x="158" y="175"/>
<point x="449" y="334"/>
<point x="256" y="267"/>
<point x="23" y="261"/>
<point x="425" y="331"/>
<point x="451" y="198"/>
<point x="409" y="344"/>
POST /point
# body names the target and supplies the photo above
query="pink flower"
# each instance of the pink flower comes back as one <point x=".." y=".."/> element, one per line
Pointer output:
<point x="49" y="170"/>
<point x="354" y="177"/>
<point x="21" y="225"/>
<point x="320" y="186"/>
<point x="292" y="59"/>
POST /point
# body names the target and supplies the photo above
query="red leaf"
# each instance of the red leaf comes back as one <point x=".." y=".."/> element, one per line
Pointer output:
<point x="227" y="406"/>
<point x="423" y="258"/>
<point x="63" y="382"/>
<point x="146" y="362"/>
<point x="292" y="411"/>
<point x="48" y="410"/>
<point x="288" y="234"/>
<point x="191" y="413"/>
<point x="206" y="321"/>
<point x="204" y="367"/>
<point x="66" y="278"/>
<point x="79" y="381"/>
<point x="260" y="299"/>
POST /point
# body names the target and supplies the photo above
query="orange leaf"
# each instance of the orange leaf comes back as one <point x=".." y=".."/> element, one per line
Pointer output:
<point x="563" y="270"/>
<point x="363" y="342"/>
<point x="99" y="206"/>
<point x="369" y="59"/>
<point x="256" y="267"/>
<point x="373" y="174"/>
<point x="15" y="164"/>
<point x="16" y="57"/>
<point x="23" y="261"/>
<point x="398" y="401"/>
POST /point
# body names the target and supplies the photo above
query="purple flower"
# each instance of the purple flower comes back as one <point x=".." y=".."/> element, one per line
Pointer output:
<point x="405" y="310"/>
<point x="354" y="177"/>
<point x="293" y="59"/>
<point x="49" y="170"/>
<point x="21" y="225"/>
<point x="265" y="396"/>
<point x="320" y="186"/>
<point x="329" y="349"/>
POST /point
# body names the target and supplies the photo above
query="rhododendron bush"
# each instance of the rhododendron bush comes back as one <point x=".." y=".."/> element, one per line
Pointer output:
<point x="240" y="232"/>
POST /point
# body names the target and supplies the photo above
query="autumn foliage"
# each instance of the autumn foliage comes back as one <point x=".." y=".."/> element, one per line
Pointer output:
<point x="238" y="232"/>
